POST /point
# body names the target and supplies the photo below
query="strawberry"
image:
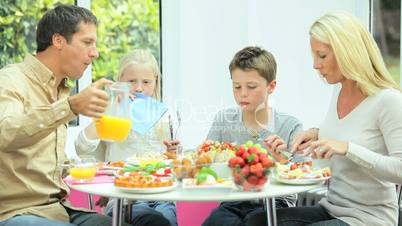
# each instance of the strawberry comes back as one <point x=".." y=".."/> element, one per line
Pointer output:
<point x="245" y="171"/>
<point x="252" y="180"/>
<point x="262" y="155"/>
<point x="253" y="150"/>
<point x="245" y="155"/>
<point x="232" y="162"/>
<point x="247" y="186"/>
<point x="267" y="162"/>
<point x="262" y="180"/>
<point x="256" y="169"/>
<point x="240" y="161"/>
<point x="238" y="178"/>
<point x="240" y="152"/>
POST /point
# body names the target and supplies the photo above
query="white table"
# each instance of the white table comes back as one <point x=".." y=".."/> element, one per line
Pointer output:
<point x="270" y="191"/>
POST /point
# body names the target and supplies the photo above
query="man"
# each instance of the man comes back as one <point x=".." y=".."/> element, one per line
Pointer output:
<point x="34" y="111"/>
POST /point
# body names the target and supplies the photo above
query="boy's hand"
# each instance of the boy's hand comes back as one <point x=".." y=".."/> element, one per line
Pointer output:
<point x="276" y="145"/>
<point x="171" y="145"/>
<point x="92" y="101"/>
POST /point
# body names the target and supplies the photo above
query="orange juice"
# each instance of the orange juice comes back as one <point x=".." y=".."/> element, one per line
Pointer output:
<point x="113" y="128"/>
<point x="82" y="173"/>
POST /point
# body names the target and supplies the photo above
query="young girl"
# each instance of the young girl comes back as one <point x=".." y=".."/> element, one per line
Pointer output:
<point x="253" y="72"/>
<point x="141" y="69"/>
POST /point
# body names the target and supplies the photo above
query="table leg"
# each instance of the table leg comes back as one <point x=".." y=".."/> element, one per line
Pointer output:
<point x="91" y="205"/>
<point x="269" y="204"/>
<point x="117" y="212"/>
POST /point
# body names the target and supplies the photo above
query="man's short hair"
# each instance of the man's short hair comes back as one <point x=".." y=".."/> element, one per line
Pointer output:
<point x="63" y="20"/>
<point x="255" y="58"/>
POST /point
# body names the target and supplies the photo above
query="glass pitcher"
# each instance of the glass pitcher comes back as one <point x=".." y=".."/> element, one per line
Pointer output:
<point x="115" y="124"/>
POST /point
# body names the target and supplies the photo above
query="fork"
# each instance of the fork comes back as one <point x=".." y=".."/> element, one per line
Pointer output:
<point x="171" y="127"/>
<point x="178" y="124"/>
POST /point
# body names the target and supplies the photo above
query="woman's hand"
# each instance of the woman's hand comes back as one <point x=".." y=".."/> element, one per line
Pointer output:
<point x="304" y="139"/>
<point x="327" y="148"/>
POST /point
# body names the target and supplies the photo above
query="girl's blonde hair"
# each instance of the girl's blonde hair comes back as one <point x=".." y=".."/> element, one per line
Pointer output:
<point x="142" y="57"/>
<point x="355" y="50"/>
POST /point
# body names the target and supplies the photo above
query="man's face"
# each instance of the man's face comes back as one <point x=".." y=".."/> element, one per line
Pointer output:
<point x="78" y="54"/>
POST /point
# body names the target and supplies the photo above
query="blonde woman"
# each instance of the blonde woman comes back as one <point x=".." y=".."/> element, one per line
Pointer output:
<point x="141" y="69"/>
<point x="361" y="134"/>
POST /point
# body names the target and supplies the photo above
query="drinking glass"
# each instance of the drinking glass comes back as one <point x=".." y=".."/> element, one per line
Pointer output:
<point x="115" y="124"/>
<point x="83" y="168"/>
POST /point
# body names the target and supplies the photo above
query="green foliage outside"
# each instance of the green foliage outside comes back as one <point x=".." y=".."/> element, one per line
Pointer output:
<point x="124" y="25"/>
<point x="18" y="19"/>
<point x="393" y="65"/>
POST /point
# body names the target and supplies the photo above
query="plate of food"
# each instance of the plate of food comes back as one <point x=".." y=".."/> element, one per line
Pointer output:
<point x="135" y="182"/>
<point x="207" y="179"/>
<point x="147" y="190"/>
<point x="300" y="173"/>
<point x="108" y="168"/>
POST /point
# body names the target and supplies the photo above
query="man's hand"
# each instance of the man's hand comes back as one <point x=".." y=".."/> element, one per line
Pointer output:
<point x="92" y="101"/>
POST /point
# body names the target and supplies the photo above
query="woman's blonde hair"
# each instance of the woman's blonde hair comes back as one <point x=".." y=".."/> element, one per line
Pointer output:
<point x="142" y="57"/>
<point x="355" y="50"/>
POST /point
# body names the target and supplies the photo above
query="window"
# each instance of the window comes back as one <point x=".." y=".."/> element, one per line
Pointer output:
<point x="124" y="26"/>
<point x="387" y="32"/>
<point x="18" y="20"/>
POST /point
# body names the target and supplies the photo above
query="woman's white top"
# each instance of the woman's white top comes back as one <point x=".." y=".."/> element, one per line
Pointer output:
<point x="362" y="188"/>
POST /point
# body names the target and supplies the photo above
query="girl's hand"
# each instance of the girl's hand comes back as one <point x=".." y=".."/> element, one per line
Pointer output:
<point x="327" y="148"/>
<point x="304" y="139"/>
<point x="131" y="96"/>
<point x="171" y="145"/>
<point x="102" y="201"/>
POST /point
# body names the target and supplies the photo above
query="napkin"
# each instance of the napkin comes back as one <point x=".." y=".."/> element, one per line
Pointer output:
<point x="96" y="180"/>
<point x="145" y="112"/>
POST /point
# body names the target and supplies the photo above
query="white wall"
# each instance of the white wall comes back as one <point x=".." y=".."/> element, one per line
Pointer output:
<point x="199" y="38"/>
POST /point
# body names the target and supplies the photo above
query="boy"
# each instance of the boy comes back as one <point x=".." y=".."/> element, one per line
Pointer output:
<point x="253" y="74"/>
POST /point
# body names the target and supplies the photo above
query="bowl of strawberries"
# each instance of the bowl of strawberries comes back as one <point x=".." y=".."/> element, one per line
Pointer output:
<point x="250" y="167"/>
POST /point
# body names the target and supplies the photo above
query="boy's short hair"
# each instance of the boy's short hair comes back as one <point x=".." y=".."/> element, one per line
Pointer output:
<point x="255" y="58"/>
<point x="63" y="20"/>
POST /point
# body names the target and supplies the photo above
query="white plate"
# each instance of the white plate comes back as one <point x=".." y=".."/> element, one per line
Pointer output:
<point x="136" y="161"/>
<point x="189" y="185"/>
<point x="147" y="190"/>
<point x="299" y="181"/>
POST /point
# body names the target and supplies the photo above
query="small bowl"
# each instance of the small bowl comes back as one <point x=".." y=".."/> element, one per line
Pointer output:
<point x="246" y="181"/>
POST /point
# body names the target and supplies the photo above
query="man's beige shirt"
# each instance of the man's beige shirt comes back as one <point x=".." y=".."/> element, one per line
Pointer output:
<point x="33" y="131"/>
